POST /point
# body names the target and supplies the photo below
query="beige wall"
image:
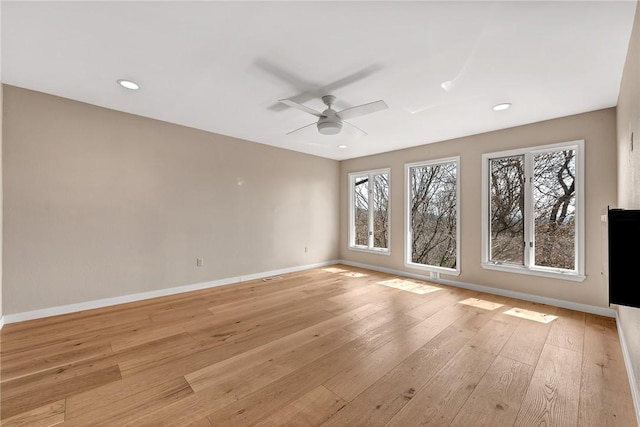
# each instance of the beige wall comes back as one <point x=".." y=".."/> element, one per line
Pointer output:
<point x="1" y="198"/>
<point x="1" y="185"/>
<point x="99" y="204"/>
<point x="596" y="128"/>
<point x="628" y="118"/>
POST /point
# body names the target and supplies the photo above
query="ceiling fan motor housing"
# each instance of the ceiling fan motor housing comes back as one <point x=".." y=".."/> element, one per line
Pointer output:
<point x="329" y="123"/>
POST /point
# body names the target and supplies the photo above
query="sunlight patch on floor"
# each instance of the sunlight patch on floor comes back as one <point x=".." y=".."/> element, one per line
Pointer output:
<point x="410" y="286"/>
<point x="480" y="303"/>
<point x="354" y="274"/>
<point x="343" y="272"/>
<point x="334" y="270"/>
<point x="536" y="316"/>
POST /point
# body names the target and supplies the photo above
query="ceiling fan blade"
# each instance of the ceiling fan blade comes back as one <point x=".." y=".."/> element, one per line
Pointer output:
<point x="294" y="104"/>
<point x="361" y="110"/>
<point x="347" y="80"/>
<point x="300" y="128"/>
<point x="354" y="126"/>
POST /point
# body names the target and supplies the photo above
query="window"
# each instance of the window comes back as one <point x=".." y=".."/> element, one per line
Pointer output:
<point x="533" y="211"/>
<point x="432" y="236"/>
<point x="369" y="211"/>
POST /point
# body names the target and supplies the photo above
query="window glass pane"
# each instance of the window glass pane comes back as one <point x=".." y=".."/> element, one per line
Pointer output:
<point x="433" y="214"/>
<point x="361" y="210"/>
<point x="554" y="197"/>
<point x="381" y="211"/>
<point x="507" y="210"/>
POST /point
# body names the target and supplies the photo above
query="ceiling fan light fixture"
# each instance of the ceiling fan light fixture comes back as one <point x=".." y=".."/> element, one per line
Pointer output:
<point x="330" y="121"/>
<point x="342" y="146"/>
<point x="329" y="127"/>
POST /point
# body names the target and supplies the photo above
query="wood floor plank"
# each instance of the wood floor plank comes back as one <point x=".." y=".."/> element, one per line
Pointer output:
<point x="202" y="422"/>
<point x="83" y="328"/>
<point x="311" y="409"/>
<point x="124" y="410"/>
<point x="117" y="393"/>
<point x="160" y="352"/>
<point x="567" y="331"/>
<point x="380" y="402"/>
<point x="438" y="402"/>
<point x="439" y="300"/>
<point x="527" y="342"/>
<point x="554" y="392"/>
<point x="172" y="315"/>
<point x="493" y="336"/>
<point x="361" y="295"/>
<point x="602" y="324"/>
<point x="245" y="314"/>
<point x="199" y="379"/>
<point x="42" y="396"/>
<point x="372" y="322"/>
<point x="603" y="380"/>
<point x="261" y="404"/>
<point x="221" y="391"/>
<point x="145" y="335"/>
<point x="57" y="355"/>
<point x="303" y="355"/>
<point x="269" y="327"/>
<point x="474" y="319"/>
<point x="276" y="298"/>
<point x="44" y="416"/>
<point x="496" y="399"/>
<point x="222" y="408"/>
<point x="352" y="381"/>
<point x="159" y="361"/>
<point x="43" y="380"/>
<point x="216" y="396"/>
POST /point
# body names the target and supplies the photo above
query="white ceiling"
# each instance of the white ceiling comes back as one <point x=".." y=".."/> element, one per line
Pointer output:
<point x="222" y="66"/>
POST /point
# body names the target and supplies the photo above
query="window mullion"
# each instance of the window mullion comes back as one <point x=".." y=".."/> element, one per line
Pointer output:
<point x="370" y="240"/>
<point x="529" y="227"/>
<point x="352" y="210"/>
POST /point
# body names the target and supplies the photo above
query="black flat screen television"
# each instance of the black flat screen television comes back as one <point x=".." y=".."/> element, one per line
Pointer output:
<point x="624" y="256"/>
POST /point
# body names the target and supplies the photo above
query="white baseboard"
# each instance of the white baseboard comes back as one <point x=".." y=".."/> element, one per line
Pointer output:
<point x="608" y="312"/>
<point x="88" y="305"/>
<point x="635" y="391"/>
<point x="1" y="322"/>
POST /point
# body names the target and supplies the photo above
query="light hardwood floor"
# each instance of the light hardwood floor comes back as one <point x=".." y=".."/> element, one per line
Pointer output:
<point x="334" y="346"/>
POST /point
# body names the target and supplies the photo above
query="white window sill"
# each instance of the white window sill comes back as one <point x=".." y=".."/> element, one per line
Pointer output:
<point x="433" y="269"/>
<point x="370" y="251"/>
<point x="559" y="274"/>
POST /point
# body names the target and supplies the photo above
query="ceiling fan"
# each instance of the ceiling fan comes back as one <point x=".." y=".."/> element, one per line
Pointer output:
<point x="330" y="121"/>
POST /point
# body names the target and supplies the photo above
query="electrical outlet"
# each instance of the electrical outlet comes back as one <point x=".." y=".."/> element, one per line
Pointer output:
<point x="199" y="262"/>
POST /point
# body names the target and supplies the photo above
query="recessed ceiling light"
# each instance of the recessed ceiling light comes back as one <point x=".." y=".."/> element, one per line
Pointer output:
<point x="342" y="146"/>
<point x="503" y="106"/>
<point x="128" y="84"/>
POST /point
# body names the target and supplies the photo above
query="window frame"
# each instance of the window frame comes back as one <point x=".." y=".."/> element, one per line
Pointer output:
<point x="351" y="232"/>
<point x="407" y="217"/>
<point x="528" y="266"/>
